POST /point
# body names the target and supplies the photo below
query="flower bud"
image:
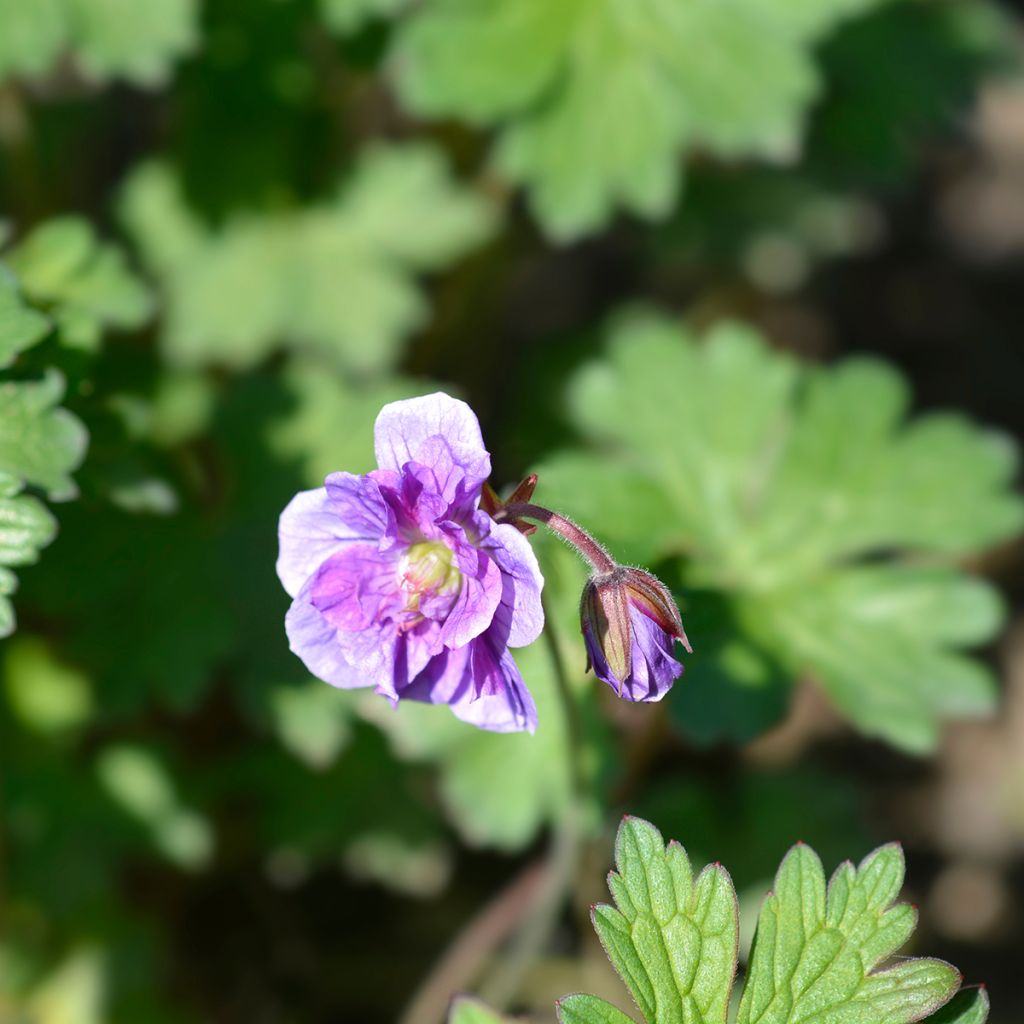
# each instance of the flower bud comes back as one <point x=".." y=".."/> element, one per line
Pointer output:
<point x="630" y="624"/>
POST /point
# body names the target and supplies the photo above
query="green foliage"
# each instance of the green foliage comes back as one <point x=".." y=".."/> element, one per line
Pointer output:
<point x="967" y="1007"/>
<point x="818" y="956"/>
<point x="85" y="284"/>
<point x="20" y="325"/>
<point x="337" y="278"/>
<point x="787" y="484"/>
<point x="25" y="528"/>
<point x="465" y="1010"/>
<point x="670" y="936"/>
<point x="40" y="445"/>
<point x="182" y="808"/>
<point x="563" y="82"/>
<point x="109" y="38"/>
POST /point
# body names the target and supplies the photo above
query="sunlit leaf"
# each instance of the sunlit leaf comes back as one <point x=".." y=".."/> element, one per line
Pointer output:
<point x="20" y="325"/>
<point x="563" y="83"/>
<point x="85" y="284"/>
<point x="465" y="1010"/>
<point x="108" y="38"/>
<point x="818" y="955"/>
<point x="339" y="278"/>
<point x="784" y="482"/>
<point x="40" y="443"/>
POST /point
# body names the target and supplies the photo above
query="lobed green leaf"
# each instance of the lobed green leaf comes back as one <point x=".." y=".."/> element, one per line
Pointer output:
<point x="796" y="495"/>
<point x="563" y="81"/>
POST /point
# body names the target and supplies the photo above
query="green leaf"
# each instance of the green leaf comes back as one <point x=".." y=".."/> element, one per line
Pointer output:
<point x="20" y="326"/>
<point x="580" y="1008"/>
<point x="816" y="955"/>
<point x="40" y="443"/>
<point x="819" y="955"/>
<point x="25" y="528"/>
<point x="338" y="278"/>
<point x="108" y="38"/>
<point x="967" y="1007"/>
<point x="466" y="1010"/>
<point x="563" y="83"/>
<point x="797" y="496"/>
<point x="86" y="284"/>
<point x="670" y="936"/>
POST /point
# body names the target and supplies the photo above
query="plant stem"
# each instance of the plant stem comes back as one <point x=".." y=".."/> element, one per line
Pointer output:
<point x="589" y="548"/>
<point x="506" y="979"/>
<point x="463" y="960"/>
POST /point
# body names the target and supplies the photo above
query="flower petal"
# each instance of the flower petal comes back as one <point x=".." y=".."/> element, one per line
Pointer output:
<point x="478" y="599"/>
<point x="403" y="429"/>
<point x="315" y="641"/>
<point x="515" y="557"/>
<point x="317" y="523"/>
<point x="356" y="589"/>
<point x="481" y="684"/>
<point x="504" y="703"/>
<point x="655" y="667"/>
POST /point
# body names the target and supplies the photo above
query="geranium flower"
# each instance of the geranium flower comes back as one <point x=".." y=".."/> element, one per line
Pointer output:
<point x="400" y="581"/>
<point x="630" y="625"/>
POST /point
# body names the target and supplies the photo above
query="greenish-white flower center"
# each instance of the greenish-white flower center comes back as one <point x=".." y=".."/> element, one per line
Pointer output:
<point x="427" y="569"/>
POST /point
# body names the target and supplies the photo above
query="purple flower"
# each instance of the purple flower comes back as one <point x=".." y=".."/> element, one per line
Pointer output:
<point x="630" y="626"/>
<point x="401" y="582"/>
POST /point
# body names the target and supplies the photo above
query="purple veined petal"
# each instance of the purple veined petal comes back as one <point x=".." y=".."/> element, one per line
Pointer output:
<point x="474" y="608"/>
<point x="481" y="684"/>
<point x="402" y="428"/>
<point x="315" y="641"/>
<point x="515" y="557"/>
<point x="458" y="472"/>
<point x="504" y="704"/>
<point x="654" y="666"/>
<point x="355" y="588"/>
<point x="316" y="524"/>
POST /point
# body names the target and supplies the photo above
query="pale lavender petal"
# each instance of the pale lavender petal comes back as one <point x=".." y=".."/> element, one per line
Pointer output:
<point x="317" y="523"/>
<point x="474" y="609"/>
<point x="315" y="641"/>
<point x="403" y="428"/>
<point x="356" y="588"/>
<point x="515" y="557"/>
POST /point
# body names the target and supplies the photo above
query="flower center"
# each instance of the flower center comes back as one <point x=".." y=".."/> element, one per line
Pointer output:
<point x="427" y="569"/>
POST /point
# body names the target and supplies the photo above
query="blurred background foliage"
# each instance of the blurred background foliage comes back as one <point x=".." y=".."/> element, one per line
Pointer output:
<point x="739" y="281"/>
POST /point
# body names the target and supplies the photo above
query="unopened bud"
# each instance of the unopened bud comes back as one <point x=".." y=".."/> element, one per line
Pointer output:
<point x="630" y="624"/>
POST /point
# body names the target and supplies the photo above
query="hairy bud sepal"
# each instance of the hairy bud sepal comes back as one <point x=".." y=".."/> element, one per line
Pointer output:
<point x="630" y="625"/>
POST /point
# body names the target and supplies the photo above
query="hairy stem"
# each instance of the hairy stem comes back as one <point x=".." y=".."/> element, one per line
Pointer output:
<point x="589" y="548"/>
